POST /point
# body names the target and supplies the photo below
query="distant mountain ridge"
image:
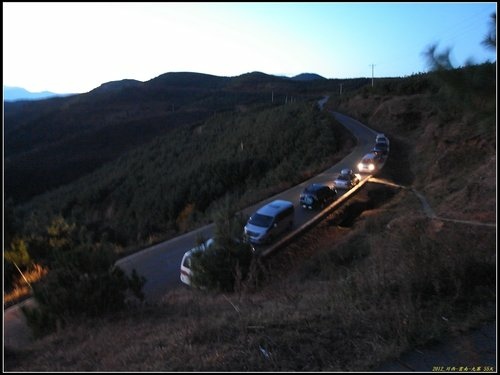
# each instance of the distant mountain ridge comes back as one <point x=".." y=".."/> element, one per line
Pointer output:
<point x="11" y="93"/>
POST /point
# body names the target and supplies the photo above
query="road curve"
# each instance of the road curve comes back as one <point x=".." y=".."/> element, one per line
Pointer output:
<point x="160" y="263"/>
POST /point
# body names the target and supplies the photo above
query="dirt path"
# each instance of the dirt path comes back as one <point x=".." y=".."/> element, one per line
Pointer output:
<point x="429" y="212"/>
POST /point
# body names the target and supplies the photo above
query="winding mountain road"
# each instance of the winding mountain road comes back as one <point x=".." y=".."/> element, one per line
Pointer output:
<point x="160" y="263"/>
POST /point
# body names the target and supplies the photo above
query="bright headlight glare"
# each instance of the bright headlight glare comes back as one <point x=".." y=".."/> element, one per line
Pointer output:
<point x="360" y="166"/>
<point x="371" y="167"/>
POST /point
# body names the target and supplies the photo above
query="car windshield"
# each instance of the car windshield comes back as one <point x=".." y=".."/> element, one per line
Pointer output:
<point x="187" y="262"/>
<point x="261" y="220"/>
<point x="343" y="177"/>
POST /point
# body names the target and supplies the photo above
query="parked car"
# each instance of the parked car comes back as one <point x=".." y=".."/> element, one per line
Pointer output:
<point x="186" y="271"/>
<point x="269" y="221"/>
<point x="381" y="138"/>
<point x="381" y="148"/>
<point x="346" y="179"/>
<point x="370" y="163"/>
<point x="317" y="196"/>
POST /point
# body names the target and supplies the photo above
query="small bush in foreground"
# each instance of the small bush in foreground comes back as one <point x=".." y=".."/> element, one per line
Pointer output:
<point x="227" y="262"/>
<point x="82" y="282"/>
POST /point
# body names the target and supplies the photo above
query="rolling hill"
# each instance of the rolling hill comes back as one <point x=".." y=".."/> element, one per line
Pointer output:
<point x="51" y="142"/>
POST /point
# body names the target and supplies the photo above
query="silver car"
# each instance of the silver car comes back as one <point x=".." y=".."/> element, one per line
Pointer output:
<point x="381" y="138"/>
<point x="346" y="179"/>
<point x="370" y="163"/>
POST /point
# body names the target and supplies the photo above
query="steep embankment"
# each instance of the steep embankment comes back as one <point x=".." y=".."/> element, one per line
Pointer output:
<point x="448" y="152"/>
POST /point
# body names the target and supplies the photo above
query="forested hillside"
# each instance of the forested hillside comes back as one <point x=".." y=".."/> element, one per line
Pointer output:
<point x="177" y="181"/>
<point x="49" y="143"/>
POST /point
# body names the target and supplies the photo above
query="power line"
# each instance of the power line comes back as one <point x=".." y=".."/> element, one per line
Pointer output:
<point x="464" y="25"/>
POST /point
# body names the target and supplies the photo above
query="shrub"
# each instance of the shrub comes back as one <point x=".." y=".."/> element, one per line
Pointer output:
<point x="16" y="257"/>
<point x="228" y="260"/>
<point x="83" y="282"/>
<point x="221" y="266"/>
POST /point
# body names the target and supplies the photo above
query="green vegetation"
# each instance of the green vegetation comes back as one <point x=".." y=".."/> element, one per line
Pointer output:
<point x="82" y="282"/>
<point x="179" y="181"/>
<point x="50" y="143"/>
<point x="225" y="265"/>
<point x="221" y="266"/>
<point x="82" y="279"/>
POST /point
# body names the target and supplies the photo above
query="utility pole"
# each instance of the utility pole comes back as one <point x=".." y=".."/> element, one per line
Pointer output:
<point x="372" y="65"/>
<point x="340" y="92"/>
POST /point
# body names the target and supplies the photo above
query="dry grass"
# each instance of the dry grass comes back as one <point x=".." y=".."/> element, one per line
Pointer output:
<point x="338" y="299"/>
<point x="22" y="286"/>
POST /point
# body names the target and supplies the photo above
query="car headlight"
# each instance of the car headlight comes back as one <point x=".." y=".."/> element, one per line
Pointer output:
<point x="371" y="167"/>
<point x="360" y="166"/>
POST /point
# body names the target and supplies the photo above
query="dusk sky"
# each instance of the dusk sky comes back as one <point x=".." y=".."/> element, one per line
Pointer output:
<point x="75" y="47"/>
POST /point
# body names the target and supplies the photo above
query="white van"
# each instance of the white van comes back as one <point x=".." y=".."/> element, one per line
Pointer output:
<point x="269" y="221"/>
<point x="186" y="271"/>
